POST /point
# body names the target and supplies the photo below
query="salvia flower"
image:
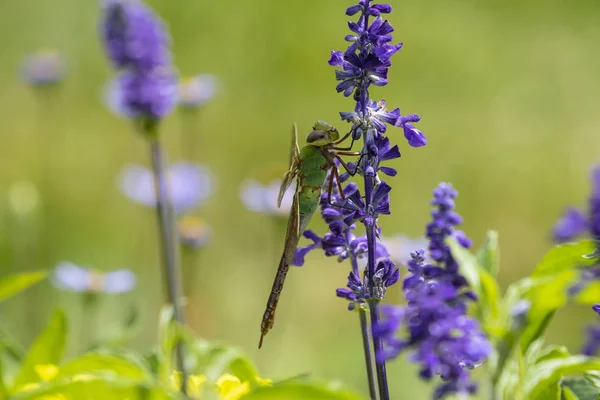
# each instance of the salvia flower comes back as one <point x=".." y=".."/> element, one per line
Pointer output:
<point x="69" y="276"/>
<point x="575" y="223"/>
<point x="43" y="68"/>
<point x="339" y="241"/>
<point x="137" y="44"/>
<point x="189" y="185"/>
<point x="592" y="344"/>
<point x="195" y="91"/>
<point x="442" y="338"/>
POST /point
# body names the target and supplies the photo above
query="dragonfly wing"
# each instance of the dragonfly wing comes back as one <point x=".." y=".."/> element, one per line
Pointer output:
<point x="285" y="184"/>
<point x="295" y="149"/>
<point x="293" y="163"/>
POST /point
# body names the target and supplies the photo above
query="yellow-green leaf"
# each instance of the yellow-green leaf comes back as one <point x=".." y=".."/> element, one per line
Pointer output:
<point x="121" y="364"/>
<point x="301" y="391"/>
<point x="564" y="257"/>
<point x="13" y="284"/>
<point x="46" y="349"/>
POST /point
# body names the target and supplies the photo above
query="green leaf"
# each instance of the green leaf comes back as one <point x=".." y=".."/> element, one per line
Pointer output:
<point x="564" y="257"/>
<point x="13" y="284"/>
<point x="548" y="373"/>
<point x="546" y="296"/>
<point x="46" y="349"/>
<point x="483" y="283"/>
<point x="488" y="256"/>
<point x="589" y="295"/>
<point x="467" y="264"/>
<point x="214" y="360"/>
<point x="100" y="389"/>
<point x="567" y="394"/>
<point x="301" y="391"/>
<point x="167" y="338"/>
<point x="124" y="365"/>
<point x="552" y="352"/>
<point x="581" y="388"/>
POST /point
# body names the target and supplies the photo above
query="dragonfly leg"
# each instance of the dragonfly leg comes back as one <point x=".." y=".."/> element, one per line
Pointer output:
<point x="339" y="184"/>
<point x="330" y="185"/>
<point x="343" y="163"/>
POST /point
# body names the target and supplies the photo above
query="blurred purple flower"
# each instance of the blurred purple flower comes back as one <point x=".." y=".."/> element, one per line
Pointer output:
<point x="261" y="198"/>
<point x="137" y="44"/>
<point x="195" y="91"/>
<point x="572" y="224"/>
<point x="592" y="345"/>
<point x="68" y="276"/>
<point x="134" y="37"/>
<point x="43" y="68"/>
<point x="189" y="185"/>
<point x="148" y="95"/>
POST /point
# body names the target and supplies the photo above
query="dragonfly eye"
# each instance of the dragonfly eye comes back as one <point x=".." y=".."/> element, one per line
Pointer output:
<point x="317" y="137"/>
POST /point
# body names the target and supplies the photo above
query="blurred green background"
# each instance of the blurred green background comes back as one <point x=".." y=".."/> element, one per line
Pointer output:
<point x="507" y="91"/>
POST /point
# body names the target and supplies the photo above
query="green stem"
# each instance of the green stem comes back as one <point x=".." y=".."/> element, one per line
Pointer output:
<point x="366" y="337"/>
<point x="169" y="246"/>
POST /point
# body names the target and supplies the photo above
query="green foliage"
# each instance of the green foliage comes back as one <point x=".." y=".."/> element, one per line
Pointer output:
<point x="13" y="284"/>
<point x="217" y="371"/>
<point x="580" y="389"/>
<point x="300" y="391"/>
<point x="488" y="256"/>
<point x="46" y="350"/>
<point x="521" y="367"/>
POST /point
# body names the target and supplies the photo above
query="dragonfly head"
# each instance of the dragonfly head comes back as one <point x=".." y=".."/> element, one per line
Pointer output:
<point x="322" y="134"/>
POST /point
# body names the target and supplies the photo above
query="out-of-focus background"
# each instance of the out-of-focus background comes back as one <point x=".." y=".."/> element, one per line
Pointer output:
<point x="507" y="91"/>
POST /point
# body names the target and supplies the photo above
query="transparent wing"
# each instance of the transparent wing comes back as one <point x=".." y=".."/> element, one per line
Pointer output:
<point x="293" y="163"/>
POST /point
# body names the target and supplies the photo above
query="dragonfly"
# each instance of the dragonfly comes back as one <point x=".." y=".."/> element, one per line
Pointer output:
<point x="311" y="166"/>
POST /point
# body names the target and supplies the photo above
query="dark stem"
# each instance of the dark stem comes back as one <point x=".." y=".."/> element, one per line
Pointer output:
<point x="366" y="337"/>
<point x="169" y="246"/>
<point x="374" y="303"/>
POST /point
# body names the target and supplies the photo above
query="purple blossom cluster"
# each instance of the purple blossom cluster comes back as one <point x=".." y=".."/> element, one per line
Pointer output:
<point x="443" y="339"/>
<point x="573" y="224"/>
<point x="366" y="62"/>
<point x="137" y="45"/>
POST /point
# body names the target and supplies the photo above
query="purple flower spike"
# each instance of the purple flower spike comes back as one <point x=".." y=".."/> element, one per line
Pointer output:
<point x="596" y="308"/>
<point x="443" y="339"/>
<point x="134" y="36"/>
<point x="137" y="45"/>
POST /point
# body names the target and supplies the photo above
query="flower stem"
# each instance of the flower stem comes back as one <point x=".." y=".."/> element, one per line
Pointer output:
<point x="374" y="303"/>
<point x="366" y="339"/>
<point x="169" y="245"/>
